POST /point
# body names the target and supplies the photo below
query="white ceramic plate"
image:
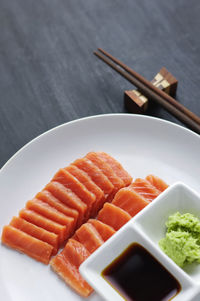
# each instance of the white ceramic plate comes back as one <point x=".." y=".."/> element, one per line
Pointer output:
<point x="142" y="144"/>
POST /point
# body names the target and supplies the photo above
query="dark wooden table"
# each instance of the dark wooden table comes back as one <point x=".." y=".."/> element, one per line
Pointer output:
<point x="48" y="74"/>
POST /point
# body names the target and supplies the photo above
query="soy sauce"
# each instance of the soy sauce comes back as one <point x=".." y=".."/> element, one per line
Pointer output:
<point x="138" y="276"/>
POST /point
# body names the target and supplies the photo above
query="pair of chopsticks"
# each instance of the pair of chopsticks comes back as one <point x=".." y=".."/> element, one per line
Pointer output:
<point x="152" y="92"/>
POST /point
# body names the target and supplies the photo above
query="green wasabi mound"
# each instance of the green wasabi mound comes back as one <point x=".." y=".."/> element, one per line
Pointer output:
<point x="182" y="241"/>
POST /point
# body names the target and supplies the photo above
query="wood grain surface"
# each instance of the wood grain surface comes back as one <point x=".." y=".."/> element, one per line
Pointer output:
<point x="49" y="75"/>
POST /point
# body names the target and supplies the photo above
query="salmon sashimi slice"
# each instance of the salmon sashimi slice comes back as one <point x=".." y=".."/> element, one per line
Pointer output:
<point x="67" y="263"/>
<point x="157" y="182"/>
<point x="75" y="252"/>
<point x="45" y="223"/>
<point x="108" y="172"/>
<point x="48" y="198"/>
<point x="145" y="189"/>
<point x="95" y="174"/>
<point x="106" y="169"/>
<point x="23" y="242"/>
<point x="50" y="212"/>
<point x="70" y="274"/>
<point x="117" y="168"/>
<point x="89" y="184"/>
<point x="113" y="216"/>
<point x="72" y="183"/>
<point x="69" y="198"/>
<point x="130" y="201"/>
<point x="89" y="237"/>
<point x="104" y="230"/>
<point x="37" y="232"/>
<point x="75" y="237"/>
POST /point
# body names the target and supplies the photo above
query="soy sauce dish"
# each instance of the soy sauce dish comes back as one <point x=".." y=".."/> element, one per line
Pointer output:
<point x="131" y="266"/>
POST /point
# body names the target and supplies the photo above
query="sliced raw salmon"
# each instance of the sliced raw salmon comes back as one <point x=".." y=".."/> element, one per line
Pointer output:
<point x="21" y="241"/>
<point x="50" y="212"/>
<point x="117" y="168"/>
<point x="106" y="169"/>
<point x="72" y="183"/>
<point x="157" y="182"/>
<point x="75" y="237"/>
<point x="45" y="223"/>
<point x="104" y="230"/>
<point x="89" y="184"/>
<point x="95" y="174"/>
<point x="48" y="198"/>
<point x="75" y="193"/>
<point x="75" y="252"/>
<point x="129" y="200"/>
<point x="67" y="263"/>
<point x="69" y="198"/>
<point x="37" y="232"/>
<point x="145" y="189"/>
<point x="108" y="172"/>
<point x="113" y="216"/>
<point x="89" y="237"/>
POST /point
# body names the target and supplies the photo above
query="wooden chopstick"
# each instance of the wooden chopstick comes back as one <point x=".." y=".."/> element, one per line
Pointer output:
<point x="152" y="87"/>
<point x="150" y="91"/>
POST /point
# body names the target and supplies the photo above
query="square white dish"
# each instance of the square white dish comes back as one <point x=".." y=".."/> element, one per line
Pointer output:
<point x="146" y="229"/>
<point x="179" y="197"/>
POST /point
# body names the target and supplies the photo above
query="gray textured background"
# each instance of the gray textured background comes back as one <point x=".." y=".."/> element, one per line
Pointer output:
<point x="48" y="74"/>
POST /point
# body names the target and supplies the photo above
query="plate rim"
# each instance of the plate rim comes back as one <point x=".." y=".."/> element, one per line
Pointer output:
<point x="157" y="119"/>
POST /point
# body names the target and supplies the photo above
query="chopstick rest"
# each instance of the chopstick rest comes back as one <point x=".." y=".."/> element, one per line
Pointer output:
<point x="149" y="90"/>
<point x="136" y="102"/>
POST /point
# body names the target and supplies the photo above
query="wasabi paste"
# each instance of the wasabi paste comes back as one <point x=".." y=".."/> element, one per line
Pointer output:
<point x="182" y="241"/>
